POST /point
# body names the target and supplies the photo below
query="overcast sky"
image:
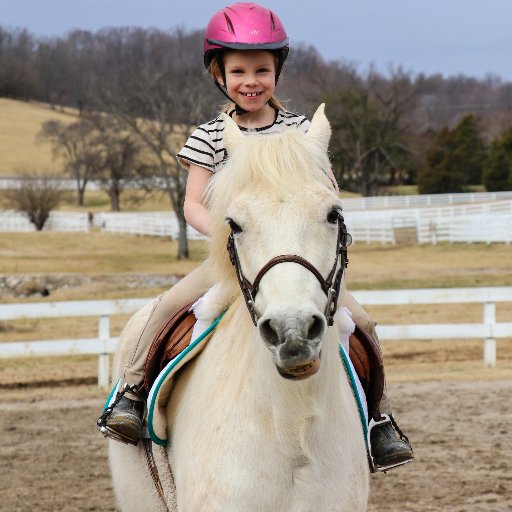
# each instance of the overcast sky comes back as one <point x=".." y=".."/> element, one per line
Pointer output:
<point x="472" y="37"/>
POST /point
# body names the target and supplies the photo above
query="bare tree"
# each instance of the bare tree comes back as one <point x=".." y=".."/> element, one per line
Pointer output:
<point x="75" y="144"/>
<point x="17" y="75"/>
<point x="36" y="197"/>
<point x="158" y="93"/>
<point x="370" y="140"/>
<point x="122" y="160"/>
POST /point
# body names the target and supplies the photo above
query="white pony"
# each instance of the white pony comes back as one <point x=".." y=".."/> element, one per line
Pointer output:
<point x="245" y="436"/>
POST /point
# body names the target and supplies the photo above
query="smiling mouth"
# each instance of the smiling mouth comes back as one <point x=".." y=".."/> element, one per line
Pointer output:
<point x="251" y="94"/>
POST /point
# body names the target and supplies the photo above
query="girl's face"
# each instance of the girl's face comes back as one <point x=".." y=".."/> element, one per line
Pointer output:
<point x="250" y="77"/>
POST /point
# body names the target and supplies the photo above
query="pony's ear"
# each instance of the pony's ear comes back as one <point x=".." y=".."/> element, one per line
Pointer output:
<point x="320" y="128"/>
<point x="233" y="136"/>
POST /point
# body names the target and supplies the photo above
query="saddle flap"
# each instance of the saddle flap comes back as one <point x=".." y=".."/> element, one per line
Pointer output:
<point x="366" y="357"/>
<point x="172" y="338"/>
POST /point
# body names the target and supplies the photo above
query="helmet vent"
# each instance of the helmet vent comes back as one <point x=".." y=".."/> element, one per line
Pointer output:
<point x="229" y="24"/>
<point x="272" y="24"/>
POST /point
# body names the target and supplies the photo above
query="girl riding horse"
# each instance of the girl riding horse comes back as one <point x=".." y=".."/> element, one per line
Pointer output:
<point x="245" y="47"/>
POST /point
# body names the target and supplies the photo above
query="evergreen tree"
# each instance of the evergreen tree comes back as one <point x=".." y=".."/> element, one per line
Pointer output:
<point x="471" y="150"/>
<point x="442" y="172"/>
<point x="498" y="167"/>
<point x="454" y="159"/>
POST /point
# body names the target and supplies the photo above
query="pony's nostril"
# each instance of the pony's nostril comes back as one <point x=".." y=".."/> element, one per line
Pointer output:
<point x="316" y="328"/>
<point x="268" y="333"/>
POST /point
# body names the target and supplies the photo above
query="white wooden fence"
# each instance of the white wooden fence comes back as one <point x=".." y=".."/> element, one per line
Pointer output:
<point x="422" y="201"/>
<point x="12" y="221"/>
<point x="144" y="223"/>
<point x="103" y="345"/>
<point x="480" y="223"/>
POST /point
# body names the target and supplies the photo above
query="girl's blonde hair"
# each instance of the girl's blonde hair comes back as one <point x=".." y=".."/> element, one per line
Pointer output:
<point x="214" y="70"/>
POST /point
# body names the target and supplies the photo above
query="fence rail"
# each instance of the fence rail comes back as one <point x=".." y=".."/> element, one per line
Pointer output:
<point x="488" y="329"/>
<point x="480" y="222"/>
<point x="422" y="201"/>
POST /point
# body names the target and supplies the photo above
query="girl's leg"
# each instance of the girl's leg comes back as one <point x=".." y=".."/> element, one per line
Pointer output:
<point x="189" y="289"/>
<point x="389" y="446"/>
<point x="124" y="422"/>
<point x="365" y="322"/>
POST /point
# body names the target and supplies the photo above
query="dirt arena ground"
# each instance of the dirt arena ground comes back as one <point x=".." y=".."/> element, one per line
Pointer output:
<point x="53" y="459"/>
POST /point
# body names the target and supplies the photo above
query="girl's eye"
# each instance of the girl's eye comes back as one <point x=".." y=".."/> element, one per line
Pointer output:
<point x="333" y="216"/>
<point x="235" y="228"/>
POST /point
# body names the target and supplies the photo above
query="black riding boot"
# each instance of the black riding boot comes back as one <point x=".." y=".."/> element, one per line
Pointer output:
<point x="389" y="447"/>
<point x="125" y="422"/>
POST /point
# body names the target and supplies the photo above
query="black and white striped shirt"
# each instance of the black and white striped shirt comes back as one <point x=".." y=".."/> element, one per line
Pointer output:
<point x="205" y="147"/>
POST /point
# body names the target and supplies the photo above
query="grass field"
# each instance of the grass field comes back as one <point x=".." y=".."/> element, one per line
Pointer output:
<point x="371" y="266"/>
<point x="20" y="122"/>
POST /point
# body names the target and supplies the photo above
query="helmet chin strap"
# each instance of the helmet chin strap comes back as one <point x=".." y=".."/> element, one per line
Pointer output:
<point x="239" y="111"/>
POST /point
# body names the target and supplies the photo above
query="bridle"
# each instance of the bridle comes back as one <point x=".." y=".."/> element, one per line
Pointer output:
<point x="330" y="285"/>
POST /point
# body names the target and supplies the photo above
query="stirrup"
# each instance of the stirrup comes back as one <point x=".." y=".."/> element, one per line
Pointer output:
<point x="116" y="436"/>
<point x="384" y="418"/>
<point x="101" y="424"/>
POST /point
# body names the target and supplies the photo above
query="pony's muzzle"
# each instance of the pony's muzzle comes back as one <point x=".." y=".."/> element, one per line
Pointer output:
<point x="295" y="342"/>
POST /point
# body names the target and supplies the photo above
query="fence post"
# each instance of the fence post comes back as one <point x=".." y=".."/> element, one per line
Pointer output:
<point x="490" y="342"/>
<point x="104" y="358"/>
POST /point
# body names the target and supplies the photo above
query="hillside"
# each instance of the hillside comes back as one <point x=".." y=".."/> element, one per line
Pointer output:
<point x="20" y="123"/>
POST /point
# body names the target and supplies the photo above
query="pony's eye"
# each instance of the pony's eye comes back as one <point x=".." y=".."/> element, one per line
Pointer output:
<point x="333" y="216"/>
<point x="235" y="228"/>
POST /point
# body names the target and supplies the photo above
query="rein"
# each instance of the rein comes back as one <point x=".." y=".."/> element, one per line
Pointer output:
<point x="330" y="285"/>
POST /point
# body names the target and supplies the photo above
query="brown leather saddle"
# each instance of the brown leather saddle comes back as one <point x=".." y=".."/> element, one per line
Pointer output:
<point x="176" y="333"/>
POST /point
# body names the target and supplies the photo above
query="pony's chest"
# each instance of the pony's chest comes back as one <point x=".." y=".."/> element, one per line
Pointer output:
<point x="241" y="461"/>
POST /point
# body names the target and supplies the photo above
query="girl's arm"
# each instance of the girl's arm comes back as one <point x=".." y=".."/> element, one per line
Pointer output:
<point x="196" y="213"/>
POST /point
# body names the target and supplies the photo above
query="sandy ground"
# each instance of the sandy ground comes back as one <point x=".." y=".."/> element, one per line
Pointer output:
<point x="53" y="459"/>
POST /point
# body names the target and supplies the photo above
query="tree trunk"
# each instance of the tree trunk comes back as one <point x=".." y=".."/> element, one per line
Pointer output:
<point x="80" y="194"/>
<point x="177" y="200"/>
<point x="114" y="193"/>
<point x="183" y="253"/>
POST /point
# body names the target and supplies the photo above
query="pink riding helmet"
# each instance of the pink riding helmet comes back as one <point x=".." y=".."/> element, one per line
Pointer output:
<point x="245" y="26"/>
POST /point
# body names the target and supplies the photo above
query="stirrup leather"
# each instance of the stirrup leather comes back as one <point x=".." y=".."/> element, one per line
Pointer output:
<point x="385" y="418"/>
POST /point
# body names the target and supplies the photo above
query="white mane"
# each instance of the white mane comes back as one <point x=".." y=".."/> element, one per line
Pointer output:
<point x="274" y="165"/>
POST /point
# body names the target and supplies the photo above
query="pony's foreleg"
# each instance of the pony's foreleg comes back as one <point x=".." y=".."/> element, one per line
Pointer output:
<point x="133" y="486"/>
